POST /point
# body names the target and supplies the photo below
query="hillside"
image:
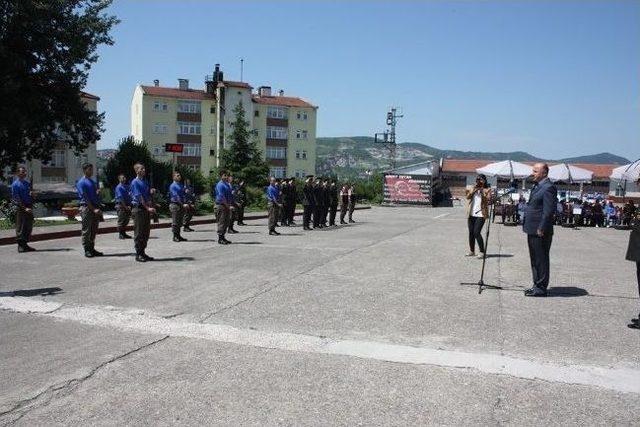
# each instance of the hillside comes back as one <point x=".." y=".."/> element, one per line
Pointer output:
<point x="353" y="155"/>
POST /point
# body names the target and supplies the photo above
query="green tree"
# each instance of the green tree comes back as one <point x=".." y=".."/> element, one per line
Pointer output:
<point x="159" y="173"/>
<point x="46" y="51"/>
<point x="243" y="158"/>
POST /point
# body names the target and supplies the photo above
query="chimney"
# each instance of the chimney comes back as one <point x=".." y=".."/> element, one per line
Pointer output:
<point x="281" y="92"/>
<point x="264" y="91"/>
<point x="183" y="84"/>
<point x="156" y="82"/>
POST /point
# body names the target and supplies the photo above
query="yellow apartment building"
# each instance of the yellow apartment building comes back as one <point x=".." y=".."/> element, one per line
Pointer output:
<point x="200" y="119"/>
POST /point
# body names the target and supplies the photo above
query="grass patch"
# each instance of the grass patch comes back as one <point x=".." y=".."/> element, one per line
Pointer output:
<point x="6" y="225"/>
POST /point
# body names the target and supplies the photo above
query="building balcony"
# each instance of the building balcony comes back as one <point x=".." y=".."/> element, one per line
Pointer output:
<point x="189" y="117"/>
<point x="282" y="123"/>
<point x="188" y="139"/>
<point x="271" y="142"/>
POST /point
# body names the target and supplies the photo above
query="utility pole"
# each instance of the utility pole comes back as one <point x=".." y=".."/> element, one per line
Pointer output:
<point x="388" y="137"/>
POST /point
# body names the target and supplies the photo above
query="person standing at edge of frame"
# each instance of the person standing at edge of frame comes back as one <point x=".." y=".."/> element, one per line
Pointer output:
<point x="326" y="198"/>
<point x="308" y="203"/>
<point x="633" y="254"/>
<point x="293" y="199"/>
<point x="478" y="198"/>
<point x="142" y="211"/>
<point x="23" y="201"/>
<point x="538" y="224"/>
<point x="222" y="208"/>
<point x="319" y="200"/>
<point x="90" y="211"/>
<point x="123" y="206"/>
<point x="352" y="202"/>
<point x="177" y="206"/>
<point x="273" y="205"/>
<point x="283" y="214"/>
<point x="344" y="202"/>
<point x="190" y="200"/>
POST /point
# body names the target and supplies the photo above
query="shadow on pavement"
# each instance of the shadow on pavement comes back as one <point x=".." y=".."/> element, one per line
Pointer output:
<point x="201" y="240"/>
<point x="121" y="254"/>
<point x="31" y="292"/>
<point x="55" y="250"/>
<point x="499" y="255"/>
<point x="247" y="243"/>
<point x="566" y="291"/>
<point x="177" y="258"/>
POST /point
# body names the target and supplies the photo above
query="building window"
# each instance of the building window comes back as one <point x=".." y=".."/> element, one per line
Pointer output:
<point x="275" y="132"/>
<point x="298" y="115"/>
<point x="298" y="134"/>
<point x="277" y="172"/>
<point x="305" y="134"/>
<point x="189" y="128"/>
<point x="189" y="106"/>
<point x="256" y="113"/>
<point x="191" y="150"/>
<point x="277" y="112"/>
<point x="213" y="129"/>
<point x="276" y="153"/>
<point x="160" y="106"/>
<point x="304" y="155"/>
<point x="160" y="128"/>
<point x="304" y="116"/>
<point x="57" y="160"/>
<point x="297" y="154"/>
<point x="213" y="109"/>
<point x="300" y="173"/>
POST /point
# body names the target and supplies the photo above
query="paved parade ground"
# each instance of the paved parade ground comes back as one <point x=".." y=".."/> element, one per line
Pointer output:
<point x="360" y="324"/>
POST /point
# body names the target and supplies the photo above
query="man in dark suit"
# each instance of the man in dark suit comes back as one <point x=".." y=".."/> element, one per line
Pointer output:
<point x="538" y="224"/>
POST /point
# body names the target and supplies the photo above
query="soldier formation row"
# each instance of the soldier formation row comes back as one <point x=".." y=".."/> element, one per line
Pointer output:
<point x="320" y="200"/>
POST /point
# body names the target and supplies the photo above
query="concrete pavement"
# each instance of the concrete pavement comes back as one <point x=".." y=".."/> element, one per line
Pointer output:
<point x="364" y="324"/>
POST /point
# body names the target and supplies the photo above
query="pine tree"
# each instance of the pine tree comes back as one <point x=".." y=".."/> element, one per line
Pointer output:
<point x="243" y="158"/>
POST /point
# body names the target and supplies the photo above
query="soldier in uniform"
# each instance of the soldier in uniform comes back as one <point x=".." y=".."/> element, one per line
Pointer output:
<point x="223" y="208"/>
<point x="241" y="201"/>
<point x="293" y="199"/>
<point x="319" y="201"/>
<point x="233" y="206"/>
<point x="284" y="200"/>
<point x="177" y="206"/>
<point x="142" y="210"/>
<point x="352" y="202"/>
<point x="273" y="205"/>
<point x="308" y="203"/>
<point x="326" y="201"/>
<point x="333" y="203"/>
<point x="344" y="202"/>
<point x="123" y="206"/>
<point x="90" y="211"/>
<point x="190" y="200"/>
<point x="23" y="201"/>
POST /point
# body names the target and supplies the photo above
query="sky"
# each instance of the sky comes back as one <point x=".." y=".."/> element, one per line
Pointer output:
<point x="555" y="79"/>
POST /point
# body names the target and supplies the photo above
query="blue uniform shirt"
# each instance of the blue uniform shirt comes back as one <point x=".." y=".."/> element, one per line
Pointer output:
<point x="272" y="194"/>
<point x="176" y="192"/>
<point x="20" y="192"/>
<point x="122" y="194"/>
<point x="223" y="193"/>
<point x="87" y="191"/>
<point x="140" y="192"/>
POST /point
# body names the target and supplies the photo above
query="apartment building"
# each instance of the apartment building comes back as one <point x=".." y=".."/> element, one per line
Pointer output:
<point x="199" y="120"/>
<point x="65" y="166"/>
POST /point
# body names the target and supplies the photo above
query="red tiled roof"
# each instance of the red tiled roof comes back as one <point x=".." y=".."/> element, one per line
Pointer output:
<point x="470" y="165"/>
<point x="89" y="96"/>
<point x="284" y="101"/>
<point x="236" y="84"/>
<point x="170" y="92"/>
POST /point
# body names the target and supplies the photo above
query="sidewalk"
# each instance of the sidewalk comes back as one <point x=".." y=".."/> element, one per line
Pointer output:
<point x="50" y="232"/>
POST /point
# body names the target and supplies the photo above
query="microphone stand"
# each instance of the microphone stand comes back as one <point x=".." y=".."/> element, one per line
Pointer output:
<point x="480" y="283"/>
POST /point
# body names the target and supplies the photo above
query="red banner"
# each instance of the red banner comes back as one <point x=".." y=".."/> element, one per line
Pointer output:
<point x="404" y="189"/>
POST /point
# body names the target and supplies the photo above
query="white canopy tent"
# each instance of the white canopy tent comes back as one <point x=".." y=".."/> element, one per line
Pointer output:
<point x="629" y="172"/>
<point x="507" y="169"/>
<point x="570" y="174"/>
